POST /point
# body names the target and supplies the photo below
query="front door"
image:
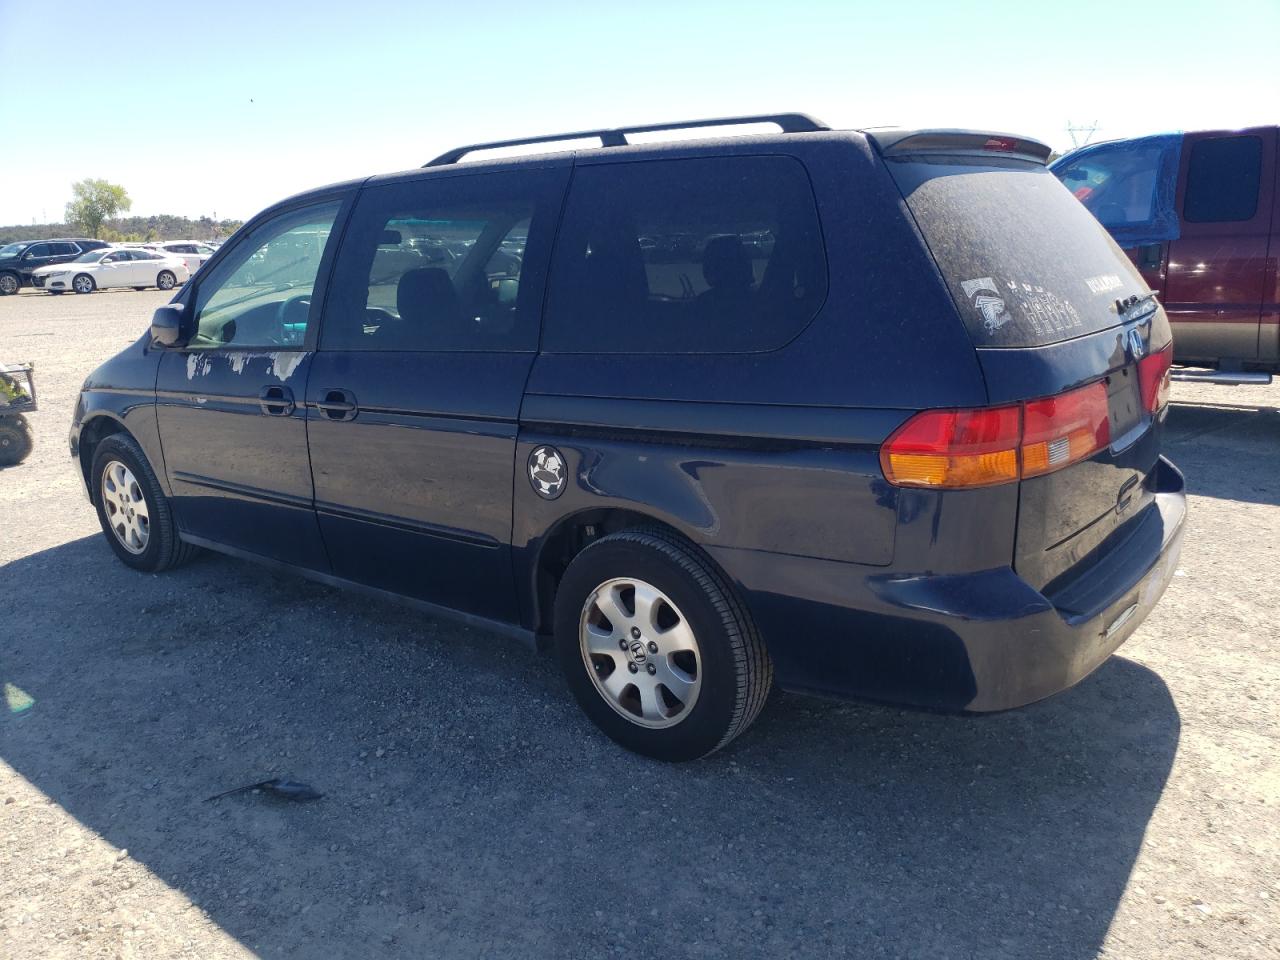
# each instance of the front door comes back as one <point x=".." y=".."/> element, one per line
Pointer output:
<point x="429" y="331"/>
<point x="230" y="403"/>
<point x="1217" y="267"/>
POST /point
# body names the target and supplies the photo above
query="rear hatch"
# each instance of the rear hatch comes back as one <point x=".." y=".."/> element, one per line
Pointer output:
<point x="1063" y="325"/>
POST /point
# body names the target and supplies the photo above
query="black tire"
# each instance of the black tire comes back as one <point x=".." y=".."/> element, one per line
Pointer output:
<point x="139" y="289"/>
<point x="15" y="440"/>
<point x="10" y="283"/>
<point x="736" y="673"/>
<point x="166" y="280"/>
<point x="79" y="287"/>
<point x="163" y="549"/>
<point x="55" y="293"/>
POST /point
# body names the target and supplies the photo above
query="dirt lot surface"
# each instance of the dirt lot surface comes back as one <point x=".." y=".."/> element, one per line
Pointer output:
<point x="471" y="811"/>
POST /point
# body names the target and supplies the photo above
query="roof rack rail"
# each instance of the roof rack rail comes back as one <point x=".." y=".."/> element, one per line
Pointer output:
<point x="617" y="136"/>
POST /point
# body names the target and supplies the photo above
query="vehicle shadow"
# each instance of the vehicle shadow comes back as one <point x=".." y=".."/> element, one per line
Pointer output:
<point x="1227" y="451"/>
<point x="471" y="811"/>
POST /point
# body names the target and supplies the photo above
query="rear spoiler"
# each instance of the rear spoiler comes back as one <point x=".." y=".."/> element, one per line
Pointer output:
<point x="898" y="144"/>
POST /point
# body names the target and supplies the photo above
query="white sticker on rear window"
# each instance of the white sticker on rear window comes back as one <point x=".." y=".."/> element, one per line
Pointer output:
<point x="999" y="301"/>
<point x="987" y="301"/>
<point x="1104" y="283"/>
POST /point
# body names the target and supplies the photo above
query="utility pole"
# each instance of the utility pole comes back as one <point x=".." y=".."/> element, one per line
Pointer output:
<point x="1081" y="134"/>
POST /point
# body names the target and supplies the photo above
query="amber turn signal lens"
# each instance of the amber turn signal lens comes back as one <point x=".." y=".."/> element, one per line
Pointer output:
<point x="954" y="448"/>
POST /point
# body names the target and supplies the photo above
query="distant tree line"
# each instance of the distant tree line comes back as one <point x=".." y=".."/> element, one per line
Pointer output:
<point x="133" y="229"/>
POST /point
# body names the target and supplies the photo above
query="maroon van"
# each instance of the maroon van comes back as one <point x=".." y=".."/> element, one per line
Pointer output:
<point x="1197" y="213"/>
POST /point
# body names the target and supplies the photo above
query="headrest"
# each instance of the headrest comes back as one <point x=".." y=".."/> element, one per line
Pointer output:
<point x="725" y="264"/>
<point x="426" y="295"/>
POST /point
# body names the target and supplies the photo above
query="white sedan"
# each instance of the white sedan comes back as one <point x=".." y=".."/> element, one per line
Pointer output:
<point x="113" y="267"/>
<point x="193" y="252"/>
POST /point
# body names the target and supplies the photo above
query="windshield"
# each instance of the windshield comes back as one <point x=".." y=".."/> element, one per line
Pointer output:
<point x="1026" y="263"/>
<point x="13" y="249"/>
<point x="93" y="256"/>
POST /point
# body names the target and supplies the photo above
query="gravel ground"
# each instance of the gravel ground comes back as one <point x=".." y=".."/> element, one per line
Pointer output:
<point x="470" y="811"/>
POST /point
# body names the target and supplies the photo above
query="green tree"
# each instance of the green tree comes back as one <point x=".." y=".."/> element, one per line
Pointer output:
<point x="93" y="201"/>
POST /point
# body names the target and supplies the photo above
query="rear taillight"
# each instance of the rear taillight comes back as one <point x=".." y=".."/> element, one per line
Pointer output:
<point x="1153" y="375"/>
<point x="1062" y="430"/>
<point x="988" y="446"/>
<point x="954" y="448"/>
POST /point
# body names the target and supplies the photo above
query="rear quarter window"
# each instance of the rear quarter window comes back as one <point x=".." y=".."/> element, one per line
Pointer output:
<point x="1223" y="175"/>
<point x="702" y="255"/>
<point x="1026" y="264"/>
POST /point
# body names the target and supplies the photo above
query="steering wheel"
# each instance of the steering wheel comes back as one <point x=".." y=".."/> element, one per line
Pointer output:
<point x="287" y="306"/>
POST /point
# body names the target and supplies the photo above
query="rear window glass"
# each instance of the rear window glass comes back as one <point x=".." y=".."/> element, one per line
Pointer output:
<point x="1026" y="263"/>
<point x="1222" y="180"/>
<point x="704" y="255"/>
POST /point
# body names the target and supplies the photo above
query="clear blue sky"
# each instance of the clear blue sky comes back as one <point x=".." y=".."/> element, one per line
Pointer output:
<point x="209" y="106"/>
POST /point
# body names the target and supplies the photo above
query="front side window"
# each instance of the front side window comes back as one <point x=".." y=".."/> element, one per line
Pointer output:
<point x="715" y="255"/>
<point x="437" y="265"/>
<point x="1223" y="175"/>
<point x="260" y="296"/>
<point x="93" y="256"/>
<point x="39" y="250"/>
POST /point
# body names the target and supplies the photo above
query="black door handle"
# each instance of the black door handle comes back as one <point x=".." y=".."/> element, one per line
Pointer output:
<point x="338" y="404"/>
<point x="276" y="401"/>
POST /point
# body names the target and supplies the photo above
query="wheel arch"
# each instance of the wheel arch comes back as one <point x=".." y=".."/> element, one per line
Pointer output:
<point x="93" y="431"/>
<point x="571" y="534"/>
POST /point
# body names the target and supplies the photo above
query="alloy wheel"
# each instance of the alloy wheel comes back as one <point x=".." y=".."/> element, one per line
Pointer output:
<point x="125" y="507"/>
<point x="640" y="652"/>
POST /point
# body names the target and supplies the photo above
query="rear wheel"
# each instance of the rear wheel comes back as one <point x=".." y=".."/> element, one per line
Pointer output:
<point x="166" y="280"/>
<point x="136" y="517"/>
<point x="656" y="648"/>
<point x="9" y="284"/>
<point x="15" y="440"/>
<point x="83" y="283"/>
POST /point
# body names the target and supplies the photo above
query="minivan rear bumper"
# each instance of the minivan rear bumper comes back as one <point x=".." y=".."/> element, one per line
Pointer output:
<point x="977" y="642"/>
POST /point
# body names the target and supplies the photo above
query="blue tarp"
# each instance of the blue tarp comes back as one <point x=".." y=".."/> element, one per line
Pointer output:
<point x="1129" y="185"/>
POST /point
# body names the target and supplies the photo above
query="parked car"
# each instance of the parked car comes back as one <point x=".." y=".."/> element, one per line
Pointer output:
<point x="1199" y="214"/>
<point x="113" y="267"/>
<point x="192" y="252"/>
<point x="902" y="451"/>
<point x="18" y="261"/>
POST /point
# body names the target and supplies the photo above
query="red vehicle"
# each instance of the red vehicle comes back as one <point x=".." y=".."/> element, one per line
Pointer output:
<point x="1197" y="213"/>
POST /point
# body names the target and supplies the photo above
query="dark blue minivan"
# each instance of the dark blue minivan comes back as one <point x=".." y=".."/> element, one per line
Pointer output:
<point x="871" y="414"/>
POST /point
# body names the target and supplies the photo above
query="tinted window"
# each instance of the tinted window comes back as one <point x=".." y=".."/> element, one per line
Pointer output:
<point x="1222" y="180"/>
<point x="260" y="296"/>
<point x="438" y="264"/>
<point x="1026" y="264"/>
<point x="1116" y="184"/>
<point x="63" y="249"/>
<point x="718" y="255"/>
<point x="41" y="250"/>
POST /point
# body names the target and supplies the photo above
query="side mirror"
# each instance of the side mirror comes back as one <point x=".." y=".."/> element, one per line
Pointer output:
<point x="166" y="325"/>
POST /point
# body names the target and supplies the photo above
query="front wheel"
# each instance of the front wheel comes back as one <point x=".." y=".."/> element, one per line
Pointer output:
<point x="83" y="283"/>
<point x="656" y="648"/>
<point x="9" y="284"/>
<point x="15" y="440"/>
<point x="166" y="280"/>
<point x="136" y="517"/>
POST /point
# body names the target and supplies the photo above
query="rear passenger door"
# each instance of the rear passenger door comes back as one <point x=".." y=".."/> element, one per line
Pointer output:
<point x="428" y="335"/>
<point x="1217" y="267"/>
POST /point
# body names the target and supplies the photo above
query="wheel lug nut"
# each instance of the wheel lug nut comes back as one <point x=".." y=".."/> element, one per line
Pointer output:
<point x="653" y="647"/>
<point x="622" y="644"/>
<point x="635" y="633"/>
<point x="652" y="669"/>
<point x="633" y="668"/>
